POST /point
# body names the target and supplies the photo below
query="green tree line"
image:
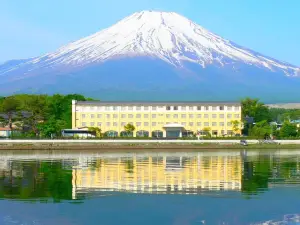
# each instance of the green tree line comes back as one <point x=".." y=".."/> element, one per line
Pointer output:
<point x="38" y="115"/>
<point x="264" y="116"/>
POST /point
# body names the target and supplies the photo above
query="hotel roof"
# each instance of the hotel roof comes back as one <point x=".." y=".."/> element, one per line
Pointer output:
<point x="157" y="103"/>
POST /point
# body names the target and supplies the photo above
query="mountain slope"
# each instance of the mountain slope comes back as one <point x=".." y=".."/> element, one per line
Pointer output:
<point x="176" y="52"/>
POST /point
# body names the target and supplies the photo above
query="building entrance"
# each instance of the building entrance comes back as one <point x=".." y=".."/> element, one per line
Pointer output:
<point x="173" y="133"/>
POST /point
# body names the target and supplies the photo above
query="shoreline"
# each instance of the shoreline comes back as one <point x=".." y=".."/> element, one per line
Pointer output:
<point x="153" y="145"/>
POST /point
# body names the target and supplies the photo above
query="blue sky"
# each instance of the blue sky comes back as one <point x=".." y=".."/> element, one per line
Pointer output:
<point x="34" y="27"/>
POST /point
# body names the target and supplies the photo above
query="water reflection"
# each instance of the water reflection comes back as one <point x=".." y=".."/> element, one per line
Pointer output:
<point x="159" y="174"/>
<point x="61" y="175"/>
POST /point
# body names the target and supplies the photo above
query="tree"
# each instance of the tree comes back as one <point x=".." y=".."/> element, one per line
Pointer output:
<point x="256" y="109"/>
<point x="60" y="107"/>
<point x="288" y="130"/>
<point x="9" y="108"/>
<point x="206" y="131"/>
<point x="95" y="131"/>
<point x="51" y="127"/>
<point x="37" y="107"/>
<point x="236" y="126"/>
<point x="129" y="128"/>
<point x="261" y="129"/>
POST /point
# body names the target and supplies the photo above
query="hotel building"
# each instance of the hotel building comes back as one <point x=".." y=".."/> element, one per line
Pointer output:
<point x="157" y="119"/>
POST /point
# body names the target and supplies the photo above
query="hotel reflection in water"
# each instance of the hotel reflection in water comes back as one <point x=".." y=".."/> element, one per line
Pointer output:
<point x="158" y="174"/>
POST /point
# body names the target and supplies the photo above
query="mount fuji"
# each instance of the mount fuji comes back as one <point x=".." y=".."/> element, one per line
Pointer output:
<point x="154" y="56"/>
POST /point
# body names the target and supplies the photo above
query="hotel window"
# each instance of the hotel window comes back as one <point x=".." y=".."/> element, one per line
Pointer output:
<point x="92" y="124"/>
<point x="160" y="107"/>
<point x="229" y="108"/>
<point x="138" y="108"/>
<point x="168" y="116"/>
<point x="130" y="116"/>
<point x="115" y="124"/>
<point x="206" y="124"/>
<point x="146" y="124"/>
<point x="108" y="124"/>
<point x="123" y="116"/>
<point x="153" y="116"/>
<point x="229" y="116"/>
<point x="191" y="108"/>
<point x="214" y="116"/>
<point x="99" y="108"/>
<point x="183" y="108"/>
<point x="130" y="108"/>
<point x="123" y="108"/>
<point x="206" y="116"/>
<point x="107" y="116"/>
<point x="115" y="116"/>
<point x="229" y="132"/>
<point x="138" y="124"/>
<point x="123" y="124"/>
<point x="199" y="124"/>
<point x="92" y="116"/>
<point x="214" y="124"/>
<point x="146" y="116"/>
<point x="146" y="107"/>
<point x="153" y="124"/>
<point x="168" y="107"/>
<point x="236" y="108"/>
<point x="99" y="116"/>
<point x="183" y="124"/>
<point x="154" y="108"/>
<point x="222" y="108"/>
<point x="175" y="116"/>
<point x="199" y="116"/>
<point x="183" y="116"/>
<point x="83" y="124"/>
<point x="191" y="124"/>
<point x="99" y="124"/>
<point x="107" y="108"/>
<point x="221" y="124"/>
<point x="138" y="115"/>
<point x="191" y="116"/>
<point x="229" y="124"/>
<point x="175" y="107"/>
<point x="131" y="123"/>
<point x="206" y="108"/>
<point x="115" y="108"/>
<point x="199" y="108"/>
<point x="214" y="108"/>
<point x="221" y="116"/>
<point x="237" y="116"/>
<point x="83" y="115"/>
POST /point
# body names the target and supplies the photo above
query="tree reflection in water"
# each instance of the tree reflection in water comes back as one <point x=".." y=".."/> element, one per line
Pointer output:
<point x="72" y="177"/>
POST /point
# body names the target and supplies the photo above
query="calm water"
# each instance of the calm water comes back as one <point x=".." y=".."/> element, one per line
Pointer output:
<point x="83" y="188"/>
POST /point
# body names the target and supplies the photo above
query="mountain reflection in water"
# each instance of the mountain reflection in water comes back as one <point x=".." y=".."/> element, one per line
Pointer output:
<point x="74" y="176"/>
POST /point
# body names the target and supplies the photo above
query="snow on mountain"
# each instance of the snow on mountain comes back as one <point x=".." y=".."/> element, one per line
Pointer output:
<point x="164" y="35"/>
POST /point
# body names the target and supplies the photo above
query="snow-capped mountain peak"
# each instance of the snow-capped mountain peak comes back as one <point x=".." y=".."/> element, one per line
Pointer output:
<point x="164" y="35"/>
<point x="153" y="55"/>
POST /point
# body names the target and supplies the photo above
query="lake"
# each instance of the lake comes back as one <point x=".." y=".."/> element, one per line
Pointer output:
<point x="177" y="188"/>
